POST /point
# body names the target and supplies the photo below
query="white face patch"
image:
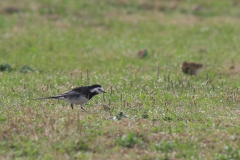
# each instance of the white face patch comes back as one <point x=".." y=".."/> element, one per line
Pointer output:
<point x="98" y="90"/>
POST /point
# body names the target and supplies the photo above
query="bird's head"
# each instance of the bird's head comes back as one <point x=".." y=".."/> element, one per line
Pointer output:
<point x="96" y="89"/>
<point x="184" y="65"/>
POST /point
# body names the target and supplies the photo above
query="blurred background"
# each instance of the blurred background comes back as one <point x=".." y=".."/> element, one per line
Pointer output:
<point x="134" y="50"/>
<point x="99" y="35"/>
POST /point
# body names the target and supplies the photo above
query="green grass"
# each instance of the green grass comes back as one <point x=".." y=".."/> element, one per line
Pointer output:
<point x="155" y="112"/>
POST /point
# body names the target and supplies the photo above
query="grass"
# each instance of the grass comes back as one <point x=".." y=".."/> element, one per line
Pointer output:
<point x="151" y="110"/>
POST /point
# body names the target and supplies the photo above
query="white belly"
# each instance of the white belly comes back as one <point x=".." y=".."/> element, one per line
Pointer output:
<point x="198" y="70"/>
<point x="77" y="101"/>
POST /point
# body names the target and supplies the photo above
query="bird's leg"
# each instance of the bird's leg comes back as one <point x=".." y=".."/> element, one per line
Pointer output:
<point x="83" y="108"/>
<point x="72" y="105"/>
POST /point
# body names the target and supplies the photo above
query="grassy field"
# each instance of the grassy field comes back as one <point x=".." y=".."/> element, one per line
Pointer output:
<point x="151" y="110"/>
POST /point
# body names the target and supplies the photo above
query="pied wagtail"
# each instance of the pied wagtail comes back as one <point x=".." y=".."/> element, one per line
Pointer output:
<point x="79" y="95"/>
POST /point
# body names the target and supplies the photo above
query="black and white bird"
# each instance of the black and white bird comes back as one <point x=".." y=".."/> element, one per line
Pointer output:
<point x="79" y="95"/>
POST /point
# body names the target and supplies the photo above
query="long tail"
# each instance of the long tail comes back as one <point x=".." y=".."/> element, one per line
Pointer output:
<point x="55" y="97"/>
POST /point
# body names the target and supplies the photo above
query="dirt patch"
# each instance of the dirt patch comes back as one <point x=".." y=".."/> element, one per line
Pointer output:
<point x="11" y="8"/>
<point x="234" y="69"/>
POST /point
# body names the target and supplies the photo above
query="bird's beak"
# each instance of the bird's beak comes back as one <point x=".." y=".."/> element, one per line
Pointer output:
<point x="104" y="92"/>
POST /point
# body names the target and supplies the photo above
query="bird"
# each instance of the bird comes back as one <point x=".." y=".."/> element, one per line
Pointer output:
<point x="142" y="53"/>
<point x="79" y="95"/>
<point x="191" y="68"/>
